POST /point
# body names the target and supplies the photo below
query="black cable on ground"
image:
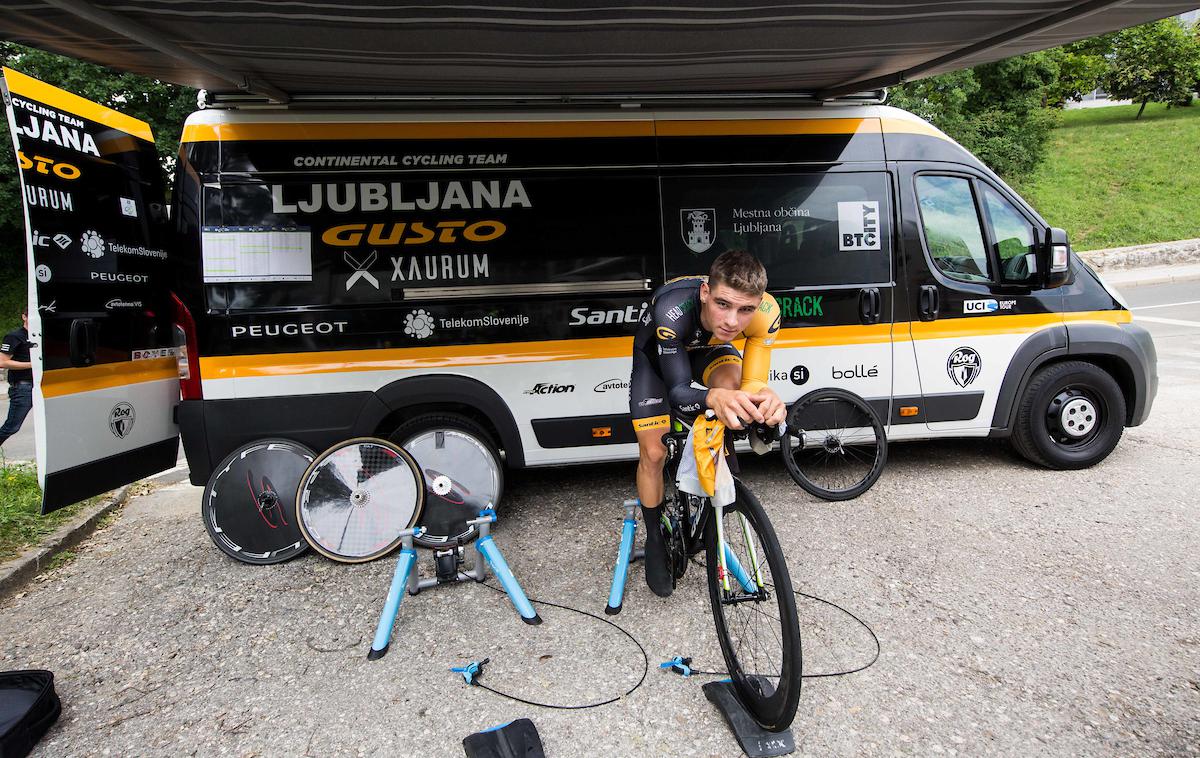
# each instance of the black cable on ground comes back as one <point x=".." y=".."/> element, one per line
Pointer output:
<point x="627" y="693"/>
<point x="823" y="675"/>
<point x="646" y="658"/>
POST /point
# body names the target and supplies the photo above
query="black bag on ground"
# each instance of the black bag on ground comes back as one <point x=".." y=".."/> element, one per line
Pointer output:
<point x="28" y="707"/>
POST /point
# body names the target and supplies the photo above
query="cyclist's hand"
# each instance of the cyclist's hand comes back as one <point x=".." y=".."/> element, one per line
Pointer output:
<point x="770" y="406"/>
<point x="731" y="406"/>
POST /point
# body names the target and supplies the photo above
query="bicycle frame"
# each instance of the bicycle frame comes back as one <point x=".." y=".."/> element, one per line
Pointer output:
<point x="694" y="525"/>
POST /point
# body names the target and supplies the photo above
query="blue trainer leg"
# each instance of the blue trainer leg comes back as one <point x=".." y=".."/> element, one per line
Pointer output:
<point x="387" y="619"/>
<point x="504" y="574"/>
<point x="616" y="595"/>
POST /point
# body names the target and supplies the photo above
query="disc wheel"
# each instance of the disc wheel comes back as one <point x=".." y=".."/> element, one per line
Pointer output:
<point x="755" y="612"/>
<point x="835" y="446"/>
<point x="357" y="497"/>
<point x="249" y="503"/>
<point x="462" y="474"/>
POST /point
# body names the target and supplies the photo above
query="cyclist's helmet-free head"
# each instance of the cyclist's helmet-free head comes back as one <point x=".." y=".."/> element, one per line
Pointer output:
<point x="740" y="270"/>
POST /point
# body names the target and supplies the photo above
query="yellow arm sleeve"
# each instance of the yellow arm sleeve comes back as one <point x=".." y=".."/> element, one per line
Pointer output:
<point x="760" y="335"/>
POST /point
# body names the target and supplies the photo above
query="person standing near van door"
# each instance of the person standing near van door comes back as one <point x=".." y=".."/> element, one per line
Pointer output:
<point x="684" y="341"/>
<point x="14" y="356"/>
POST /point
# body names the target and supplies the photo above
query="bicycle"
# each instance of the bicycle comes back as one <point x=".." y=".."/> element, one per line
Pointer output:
<point x="835" y="447"/>
<point x="750" y="590"/>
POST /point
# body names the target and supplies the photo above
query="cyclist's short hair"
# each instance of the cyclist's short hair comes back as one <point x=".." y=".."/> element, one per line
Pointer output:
<point x="740" y="270"/>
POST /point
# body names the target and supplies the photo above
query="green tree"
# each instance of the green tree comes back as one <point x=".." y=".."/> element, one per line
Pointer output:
<point x="1154" y="63"/>
<point x="995" y="110"/>
<point x="1082" y="67"/>
<point x="163" y="106"/>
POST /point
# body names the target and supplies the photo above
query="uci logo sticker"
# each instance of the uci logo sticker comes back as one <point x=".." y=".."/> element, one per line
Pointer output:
<point x="858" y="226"/>
<point x="987" y="306"/>
<point x="120" y="420"/>
<point x="963" y="365"/>
<point x="698" y="228"/>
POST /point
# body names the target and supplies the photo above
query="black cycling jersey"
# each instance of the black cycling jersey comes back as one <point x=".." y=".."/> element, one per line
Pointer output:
<point x="672" y="349"/>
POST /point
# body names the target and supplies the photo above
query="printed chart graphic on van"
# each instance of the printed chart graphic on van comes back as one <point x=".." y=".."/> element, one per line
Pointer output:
<point x="334" y="275"/>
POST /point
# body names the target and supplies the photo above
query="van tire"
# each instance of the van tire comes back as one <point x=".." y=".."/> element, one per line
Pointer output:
<point x="1071" y="416"/>
<point x="464" y="425"/>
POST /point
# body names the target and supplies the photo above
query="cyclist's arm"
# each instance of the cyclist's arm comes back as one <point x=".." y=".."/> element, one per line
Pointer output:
<point x="760" y="335"/>
<point x="673" y="363"/>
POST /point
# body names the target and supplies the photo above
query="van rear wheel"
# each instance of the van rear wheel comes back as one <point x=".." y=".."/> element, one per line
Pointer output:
<point x="462" y="471"/>
<point x="1071" y="416"/>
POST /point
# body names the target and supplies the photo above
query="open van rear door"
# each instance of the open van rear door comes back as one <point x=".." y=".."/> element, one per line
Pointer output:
<point x="106" y="381"/>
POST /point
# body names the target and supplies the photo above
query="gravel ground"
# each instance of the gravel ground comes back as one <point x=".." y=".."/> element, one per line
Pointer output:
<point x="1020" y="611"/>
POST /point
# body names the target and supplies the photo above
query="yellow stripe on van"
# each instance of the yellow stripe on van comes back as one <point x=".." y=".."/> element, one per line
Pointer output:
<point x="415" y="130"/>
<point x="26" y="86"/>
<point x="71" y="381"/>
<point x="909" y="126"/>
<point x="1016" y="324"/>
<point x="1106" y="317"/>
<point x="719" y="127"/>
<point x="451" y="356"/>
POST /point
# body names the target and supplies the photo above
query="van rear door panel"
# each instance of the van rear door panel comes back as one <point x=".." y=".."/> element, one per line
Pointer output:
<point x="105" y="374"/>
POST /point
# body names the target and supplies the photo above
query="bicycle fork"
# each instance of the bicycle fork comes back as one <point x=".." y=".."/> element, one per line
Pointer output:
<point x="728" y="563"/>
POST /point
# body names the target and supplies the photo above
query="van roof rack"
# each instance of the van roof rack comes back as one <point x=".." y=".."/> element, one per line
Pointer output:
<point x="209" y="99"/>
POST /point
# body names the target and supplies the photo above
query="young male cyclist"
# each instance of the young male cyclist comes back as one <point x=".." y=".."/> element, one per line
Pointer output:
<point x="683" y="362"/>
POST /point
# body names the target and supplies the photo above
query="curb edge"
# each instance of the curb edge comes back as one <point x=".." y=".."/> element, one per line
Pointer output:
<point x="30" y="563"/>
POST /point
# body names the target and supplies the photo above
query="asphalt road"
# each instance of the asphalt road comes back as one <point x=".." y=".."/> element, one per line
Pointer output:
<point x="1020" y="612"/>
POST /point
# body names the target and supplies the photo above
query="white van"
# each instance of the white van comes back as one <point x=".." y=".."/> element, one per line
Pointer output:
<point x="340" y="273"/>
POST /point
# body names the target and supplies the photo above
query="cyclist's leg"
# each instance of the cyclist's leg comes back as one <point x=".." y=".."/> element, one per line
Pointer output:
<point x="651" y="456"/>
<point x="649" y="406"/>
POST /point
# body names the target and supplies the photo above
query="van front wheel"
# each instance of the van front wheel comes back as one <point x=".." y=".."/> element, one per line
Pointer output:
<point x="1071" y="416"/>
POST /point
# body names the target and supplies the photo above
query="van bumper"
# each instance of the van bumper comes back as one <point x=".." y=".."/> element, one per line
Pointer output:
<point x="1147" y="367"/>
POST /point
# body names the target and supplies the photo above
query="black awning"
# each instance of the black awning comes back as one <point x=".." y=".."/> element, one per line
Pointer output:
<point x="363" y="48"/>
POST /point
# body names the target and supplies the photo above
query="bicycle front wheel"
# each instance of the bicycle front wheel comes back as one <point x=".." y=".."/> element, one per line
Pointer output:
<point x="835" y="447"/>
<point x="754" y="610"/>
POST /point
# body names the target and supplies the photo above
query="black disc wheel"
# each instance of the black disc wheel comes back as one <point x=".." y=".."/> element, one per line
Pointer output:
<point x="249" y="504"/>
<point x="835" y="446"/>
<point x="462" y="473"/>
<point x="357" y="497"/>
<point x="755" y="611"/>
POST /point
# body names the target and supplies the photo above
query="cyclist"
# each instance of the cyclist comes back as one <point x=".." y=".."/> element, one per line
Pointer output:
<point x="683" y="362"/>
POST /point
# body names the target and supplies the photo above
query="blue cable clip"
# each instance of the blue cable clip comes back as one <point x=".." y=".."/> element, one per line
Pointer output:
<point x="679" y="664"/>
<point x="488" y="512"/>
<point x="471" y="670"/>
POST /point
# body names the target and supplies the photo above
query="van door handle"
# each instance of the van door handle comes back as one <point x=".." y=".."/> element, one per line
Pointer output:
<point x="930" y="300"/>
<point x="84" y="332"/>
<point x="868" y="305"/>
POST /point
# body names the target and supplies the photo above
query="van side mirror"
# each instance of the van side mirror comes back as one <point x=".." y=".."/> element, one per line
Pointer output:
<point x="83" y="342"/>
<point x="1056" y="259"/>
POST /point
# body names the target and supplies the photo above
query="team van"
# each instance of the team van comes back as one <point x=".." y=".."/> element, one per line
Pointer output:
<point x="323" y="275"/>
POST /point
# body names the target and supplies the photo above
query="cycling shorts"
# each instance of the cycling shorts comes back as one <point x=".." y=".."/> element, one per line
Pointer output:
<point x="649" y="399"/>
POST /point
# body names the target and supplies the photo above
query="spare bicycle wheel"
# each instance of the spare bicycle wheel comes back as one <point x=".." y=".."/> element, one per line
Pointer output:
<point x="249" y="505"/>
<point x="835" y="446"/>
<point x="357" y="497"/>
<point x="462" y="473"/>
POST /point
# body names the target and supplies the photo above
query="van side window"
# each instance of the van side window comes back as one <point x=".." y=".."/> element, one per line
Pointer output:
<point x="809" y="230"/>
<point x="952" y="231"/>
<point x="1013" y="235"/>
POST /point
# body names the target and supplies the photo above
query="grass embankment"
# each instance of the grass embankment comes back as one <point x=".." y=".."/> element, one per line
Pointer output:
<point x="1111" y="181"/>
<point x="21" y="522"/>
